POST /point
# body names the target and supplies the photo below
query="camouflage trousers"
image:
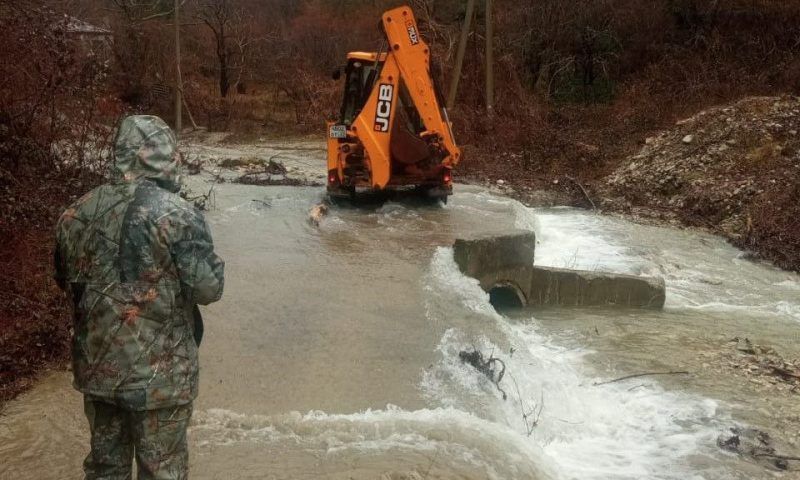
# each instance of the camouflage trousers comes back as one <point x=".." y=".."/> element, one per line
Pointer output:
<point x="156" y="438"/>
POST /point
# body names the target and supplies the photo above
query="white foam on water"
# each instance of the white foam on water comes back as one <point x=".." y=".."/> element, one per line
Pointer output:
<point x="577" y="241"/>
<point x="453" y="435"/>
<point x="702" y="272"/>
<point x="714" y="280"/>
<point x="586" y="431"/>
<point x="791" y="284"/>
<point x="780" y="308"/>
<point x="566" y="237"/>
<point x="583" y="431"/>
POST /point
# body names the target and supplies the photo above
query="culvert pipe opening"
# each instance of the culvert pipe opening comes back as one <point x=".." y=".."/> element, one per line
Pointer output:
<point x="506" y="297"/>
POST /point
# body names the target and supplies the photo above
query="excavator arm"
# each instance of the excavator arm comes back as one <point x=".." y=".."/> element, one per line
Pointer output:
<point x="413" y="60"/>
<point x="406" y="69"/>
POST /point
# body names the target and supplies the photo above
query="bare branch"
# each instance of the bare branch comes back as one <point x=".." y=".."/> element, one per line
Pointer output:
<point x="627" y="377"/>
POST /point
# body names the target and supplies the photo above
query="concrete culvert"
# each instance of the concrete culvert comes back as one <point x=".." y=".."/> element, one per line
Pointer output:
<point x="506" y="297"/>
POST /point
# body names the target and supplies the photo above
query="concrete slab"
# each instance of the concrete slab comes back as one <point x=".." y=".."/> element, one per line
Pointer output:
<point x="561" y="287"/>
<point x="486" y="255"/>
<point x="506" y="262"/>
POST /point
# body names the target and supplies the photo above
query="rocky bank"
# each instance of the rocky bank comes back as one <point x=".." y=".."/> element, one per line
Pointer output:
<point x="734" y="170"/>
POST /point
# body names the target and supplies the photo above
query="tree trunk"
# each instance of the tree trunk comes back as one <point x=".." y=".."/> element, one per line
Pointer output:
<point x="224" y="81"/>
<point x="222" y="56"/>
<point x="455" y="76"/>
<point x="489" y="59"/>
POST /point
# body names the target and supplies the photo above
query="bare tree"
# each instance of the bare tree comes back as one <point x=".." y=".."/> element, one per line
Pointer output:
<point x="144" y="10"/>
<point x="232" y="38"/>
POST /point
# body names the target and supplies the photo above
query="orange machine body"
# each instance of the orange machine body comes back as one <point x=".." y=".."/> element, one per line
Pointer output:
<point x="393" y="131"/>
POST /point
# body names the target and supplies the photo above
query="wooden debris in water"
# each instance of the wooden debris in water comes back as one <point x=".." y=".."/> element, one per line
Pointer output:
<point x="487" y="367"/>
<point x="638" y="375"/>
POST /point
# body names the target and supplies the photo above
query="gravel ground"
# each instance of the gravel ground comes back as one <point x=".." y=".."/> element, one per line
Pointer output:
<point x="734" y="170"/>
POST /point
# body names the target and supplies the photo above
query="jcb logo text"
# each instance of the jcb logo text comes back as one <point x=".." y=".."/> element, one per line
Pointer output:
<point x="384" y="110"/>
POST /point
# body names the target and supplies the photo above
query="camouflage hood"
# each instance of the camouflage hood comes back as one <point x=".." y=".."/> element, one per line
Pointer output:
<point x="146" y="147"/>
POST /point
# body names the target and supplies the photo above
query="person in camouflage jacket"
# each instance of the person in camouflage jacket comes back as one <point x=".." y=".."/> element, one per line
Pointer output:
<point x="135" y="259"/>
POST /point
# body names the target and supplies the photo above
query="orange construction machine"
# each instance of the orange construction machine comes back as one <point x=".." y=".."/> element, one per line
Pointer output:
<point x="393" y="133"/>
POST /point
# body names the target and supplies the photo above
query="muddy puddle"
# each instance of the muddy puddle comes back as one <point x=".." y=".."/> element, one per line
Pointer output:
<point x="335" y="352"/>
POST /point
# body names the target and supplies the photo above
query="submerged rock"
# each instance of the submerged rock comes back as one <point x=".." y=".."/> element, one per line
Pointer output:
<point x="755" y="445"/>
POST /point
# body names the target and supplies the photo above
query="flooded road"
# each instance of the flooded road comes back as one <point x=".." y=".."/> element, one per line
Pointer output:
<point x="334" y="353"/>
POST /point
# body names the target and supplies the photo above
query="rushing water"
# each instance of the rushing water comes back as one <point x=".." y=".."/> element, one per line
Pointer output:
<point x="334" y="353"/>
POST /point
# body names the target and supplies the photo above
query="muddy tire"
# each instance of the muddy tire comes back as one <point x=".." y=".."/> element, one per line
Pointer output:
<point x="437" y="194"/>
<point x="339" y="195"/>
<point x="440" y="198"/>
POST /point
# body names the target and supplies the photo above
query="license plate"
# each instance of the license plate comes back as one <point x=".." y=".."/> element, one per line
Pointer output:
<point x="338" y="131"/>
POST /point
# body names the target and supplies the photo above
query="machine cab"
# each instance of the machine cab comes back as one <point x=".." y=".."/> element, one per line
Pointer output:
<point x="360" y="74"/>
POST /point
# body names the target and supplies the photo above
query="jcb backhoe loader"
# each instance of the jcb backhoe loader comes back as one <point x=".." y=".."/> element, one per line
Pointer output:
<point x="393" y="133"/>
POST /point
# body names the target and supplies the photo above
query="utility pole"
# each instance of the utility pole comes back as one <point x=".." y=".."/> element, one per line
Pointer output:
<point x="489" y="60"/>
<point x="178" y="80"/>
<point x="462" y="48"/>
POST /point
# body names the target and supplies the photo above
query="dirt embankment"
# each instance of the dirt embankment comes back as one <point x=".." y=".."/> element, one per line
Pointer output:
<point x="734" y="170"/>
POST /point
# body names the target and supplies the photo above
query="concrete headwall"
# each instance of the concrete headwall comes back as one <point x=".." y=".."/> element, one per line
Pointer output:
<point x="506" y="261"/>
<point x="557" y="286"/>
<point x="487" y="254"/>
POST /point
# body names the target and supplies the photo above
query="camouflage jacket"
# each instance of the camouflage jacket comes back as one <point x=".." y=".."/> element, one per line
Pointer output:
<point x="136" y="259"/>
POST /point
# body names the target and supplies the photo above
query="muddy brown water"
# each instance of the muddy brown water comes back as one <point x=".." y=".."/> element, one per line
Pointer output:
<point x="334" y="353"/>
